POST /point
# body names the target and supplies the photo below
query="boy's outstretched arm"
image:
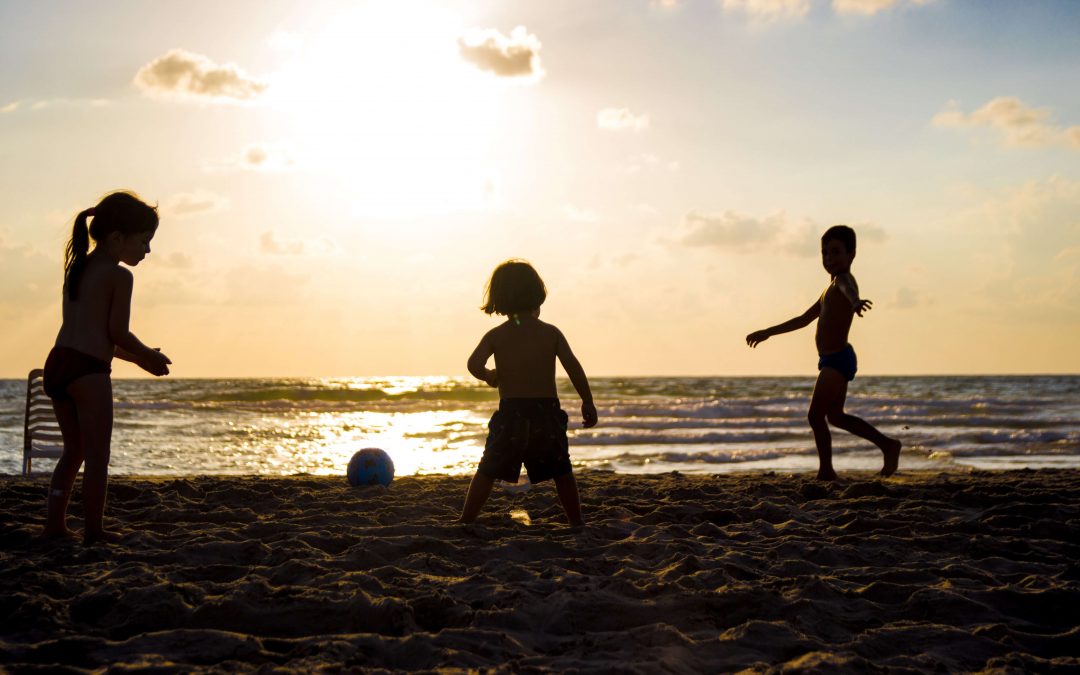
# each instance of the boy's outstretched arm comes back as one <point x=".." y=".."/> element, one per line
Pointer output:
<point x="576" y="373"/>
<point x="850" y="289"/>
<point x="801" y="321"/>
<point x="478" y="362"/>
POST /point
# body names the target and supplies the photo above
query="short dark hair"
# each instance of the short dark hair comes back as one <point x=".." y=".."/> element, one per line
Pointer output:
<point x="514" y="287"/>
<point x="843" y="234"/>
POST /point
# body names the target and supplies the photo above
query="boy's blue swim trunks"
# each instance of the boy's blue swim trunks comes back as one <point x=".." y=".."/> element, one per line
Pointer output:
<point x="529" y="431"/>
<point x="844" y="361"/>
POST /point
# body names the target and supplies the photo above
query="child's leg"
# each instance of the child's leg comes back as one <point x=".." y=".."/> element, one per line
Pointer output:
<point x="829" y="393"/>
<point x="93" y="401"/>
<point x="479" y="490"/>
<point x="67" y="469"/>
<point x="566" y="486"/>
<point x="890" y="447"/>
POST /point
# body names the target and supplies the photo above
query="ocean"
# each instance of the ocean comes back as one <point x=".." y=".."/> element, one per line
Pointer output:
<point x="647" y="424"/>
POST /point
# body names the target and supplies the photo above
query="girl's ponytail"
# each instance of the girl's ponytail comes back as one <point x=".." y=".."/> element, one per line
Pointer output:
<point x="117" y="212"/>
<point x="75" y="254"/>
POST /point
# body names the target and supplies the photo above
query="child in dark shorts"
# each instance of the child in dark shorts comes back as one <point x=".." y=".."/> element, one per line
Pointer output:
<point x="530" y="426"/>
<point x="529" y="431"/>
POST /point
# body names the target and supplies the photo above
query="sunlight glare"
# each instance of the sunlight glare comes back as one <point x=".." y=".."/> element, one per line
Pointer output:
<point x="418" y="443"/>
<point x="382" y="102"/>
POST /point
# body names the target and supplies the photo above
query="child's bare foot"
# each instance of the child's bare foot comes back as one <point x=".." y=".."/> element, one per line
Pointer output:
<point x="57" y="534"/>
<point x="826" y="474"/>
<point x="892" y="457"/>
<point x="102" y="537"/>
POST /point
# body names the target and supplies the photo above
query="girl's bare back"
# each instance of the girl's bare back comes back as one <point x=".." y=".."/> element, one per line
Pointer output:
<point x="85" y="326"/>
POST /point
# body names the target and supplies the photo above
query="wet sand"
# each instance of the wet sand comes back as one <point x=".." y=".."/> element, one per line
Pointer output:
<point x="920" y="572"/>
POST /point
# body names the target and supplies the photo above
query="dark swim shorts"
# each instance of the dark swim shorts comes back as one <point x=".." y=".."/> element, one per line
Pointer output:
<point x="843" y="361"/>
<point x="65" y="365"/>
<point x="529" y="431"/>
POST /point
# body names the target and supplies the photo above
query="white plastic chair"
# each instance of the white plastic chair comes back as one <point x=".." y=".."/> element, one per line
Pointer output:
<point x="41" y="433"/>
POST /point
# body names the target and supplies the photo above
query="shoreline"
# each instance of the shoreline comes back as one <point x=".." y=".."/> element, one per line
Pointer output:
<point x="961" y="569"/>
<point x="654" y="425"/>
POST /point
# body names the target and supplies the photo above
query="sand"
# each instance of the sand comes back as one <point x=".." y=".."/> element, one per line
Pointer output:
<point x="952" y="571"/>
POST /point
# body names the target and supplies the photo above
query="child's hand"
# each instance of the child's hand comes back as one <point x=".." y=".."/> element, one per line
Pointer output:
<point x="757" y="337"/>
<point x="588" y="414"/>
<point x="156" y="363"/>
<point x="863" y="306"/>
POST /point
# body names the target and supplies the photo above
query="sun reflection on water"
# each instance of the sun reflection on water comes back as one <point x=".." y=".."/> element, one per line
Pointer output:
<point x="430" y="425"/>
<point x="396" y="385"/>
<point x="437" y="441"/>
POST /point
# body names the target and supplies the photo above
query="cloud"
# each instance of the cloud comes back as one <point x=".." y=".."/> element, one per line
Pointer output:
<point x="31" y="279"/>
<point x="621" y="119"/>
<point x="742" y="233"/>
<point x="870" y="7"/>
<point x="613" y="260"/>
<point x="286" y="40"/>
<point x="256" y="157"/>
<point x="769" y="10"/>
<point x="515" y="56"/>
<point x="187" y="204"/>
<point x="269" y="243"/>
<point x="774" y="10"/>
<point x="775" y="233"/>
<point x="264" y="284"/>
<point x="68" y="102"/>
<point x="1041" y="216"/>
<point x="1070" y="255"/>
<point x="44" y="103"/>
<point x="176" y="260"/>
<point x="649" y="161"/>
<point x="1019" y="124"/>
<point x="1036" y="226"/>
<point x="907" y="298"/>
<point x="182" y="74"/>
<point x="579" y="215"/>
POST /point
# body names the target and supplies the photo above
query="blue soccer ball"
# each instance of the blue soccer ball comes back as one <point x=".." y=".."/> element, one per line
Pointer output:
<point x="370" y="466"/>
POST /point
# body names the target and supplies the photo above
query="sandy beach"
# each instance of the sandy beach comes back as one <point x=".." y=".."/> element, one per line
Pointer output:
<point x="925" y="571"/>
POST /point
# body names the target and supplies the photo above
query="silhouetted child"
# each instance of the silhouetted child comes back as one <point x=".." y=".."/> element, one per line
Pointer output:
<point x="834" y="311"/>
<point x="96" y="310"/>
<point x="529" y="427"/>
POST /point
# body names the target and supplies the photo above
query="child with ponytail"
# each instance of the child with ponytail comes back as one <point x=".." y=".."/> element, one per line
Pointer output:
<point x="96" y="310"/>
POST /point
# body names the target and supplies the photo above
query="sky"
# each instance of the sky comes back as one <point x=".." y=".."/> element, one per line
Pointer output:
<point x="337" y="180"/>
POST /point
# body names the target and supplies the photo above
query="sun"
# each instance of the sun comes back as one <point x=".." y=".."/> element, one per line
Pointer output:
<point x="380" y="100"/>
